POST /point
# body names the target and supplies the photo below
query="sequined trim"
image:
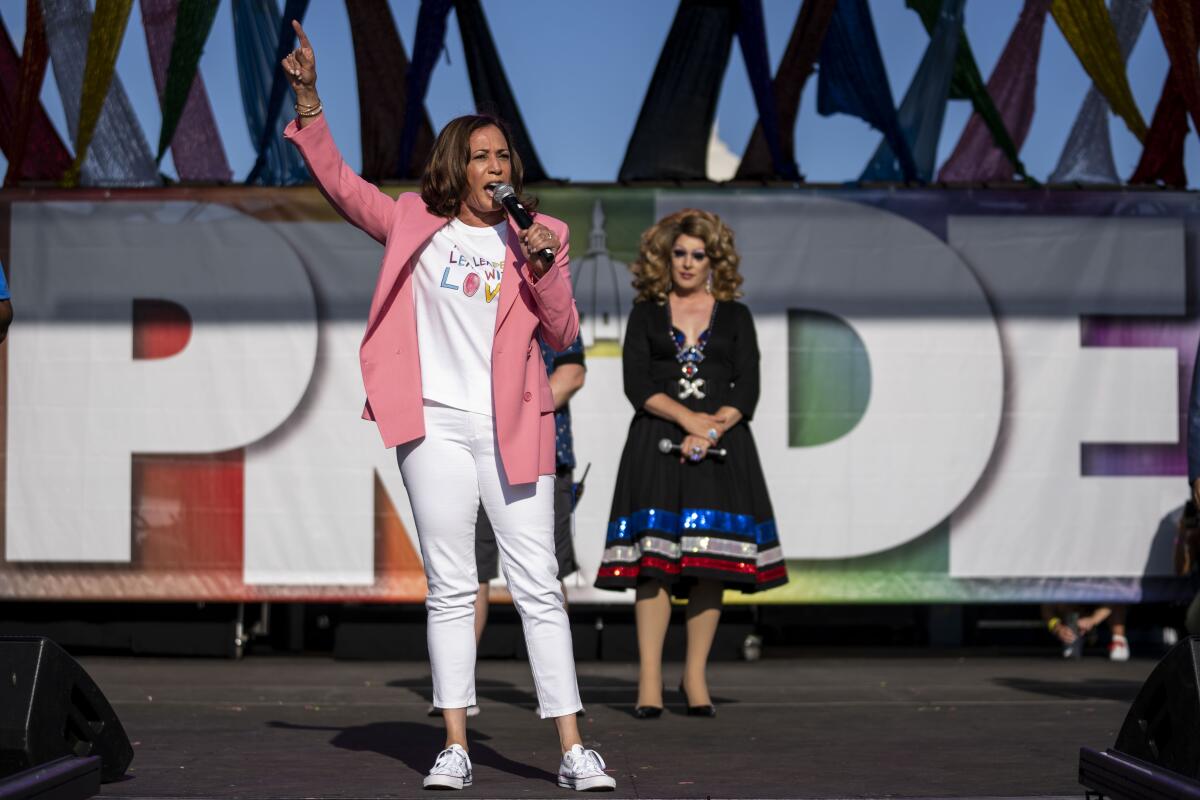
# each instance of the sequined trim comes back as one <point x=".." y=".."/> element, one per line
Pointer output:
<point x="690" y="545"/>
<point x="622" y="553"/>
<point x="669" y="567"/>
<point x="770" y="555"/>
<point x="741" y="567"/>
<point x="625" y="529"/>
<point x="618" y="572"/>
<point x="712" y="544"/>
<point x="695" y="539"/>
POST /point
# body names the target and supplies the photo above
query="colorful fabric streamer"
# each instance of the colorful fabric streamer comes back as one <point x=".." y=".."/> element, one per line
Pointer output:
<point x="104" y="42"/>
<point x="1089" y="30"/>
<point x="256" y="29"/>
<point x="430" y="41"/>
<point x="798" y="62"/>
<point x="489" y="85"/>
<point x="852" y="79"/>
<point x="979" y="156"/>
<point x="924" y="106"/>
<point x="1162" y="157"/>
<point x="382" y="68"/>
<point x="117" y="153"/>
<point x="752" y="36"/>
<point x="968" y="84"/>
<point x="292" y="10"/>
<point x="1177" y="22"/>
<point x="1087" y="156"/>
<point x="670" y="138"/>
<point x="32" y="146"/>
<point x="176" y="31"/>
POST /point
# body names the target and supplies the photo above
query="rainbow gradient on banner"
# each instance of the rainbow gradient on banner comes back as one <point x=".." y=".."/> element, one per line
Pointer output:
<point x="255" y="518"/>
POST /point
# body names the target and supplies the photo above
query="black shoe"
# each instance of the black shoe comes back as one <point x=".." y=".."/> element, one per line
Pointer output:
<point x="697" y="711"/>
<point x="647" y="712"/>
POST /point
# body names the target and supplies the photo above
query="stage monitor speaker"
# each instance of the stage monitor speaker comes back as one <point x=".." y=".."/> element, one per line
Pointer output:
<point x="1163" y="724"/>
<point x="50" y="707"/>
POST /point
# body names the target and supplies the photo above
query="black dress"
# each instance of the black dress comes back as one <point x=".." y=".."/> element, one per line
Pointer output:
<point x="679" y="522"/>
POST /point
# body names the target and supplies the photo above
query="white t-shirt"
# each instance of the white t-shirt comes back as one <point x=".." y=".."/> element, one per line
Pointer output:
<point x="456" y="287"/>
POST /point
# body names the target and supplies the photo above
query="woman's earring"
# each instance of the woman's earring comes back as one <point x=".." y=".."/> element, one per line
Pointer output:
<point x="708" y="283"/>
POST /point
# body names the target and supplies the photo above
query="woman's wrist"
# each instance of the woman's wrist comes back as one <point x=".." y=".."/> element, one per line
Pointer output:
<point x="308" y="97"/>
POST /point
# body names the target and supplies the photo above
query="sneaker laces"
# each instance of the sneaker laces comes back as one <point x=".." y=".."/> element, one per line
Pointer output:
<point x="582" y="759"/>
<point x="451" y="761"/>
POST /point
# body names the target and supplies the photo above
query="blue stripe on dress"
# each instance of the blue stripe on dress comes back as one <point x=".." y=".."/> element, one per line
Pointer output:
<point x="626" y="529"/>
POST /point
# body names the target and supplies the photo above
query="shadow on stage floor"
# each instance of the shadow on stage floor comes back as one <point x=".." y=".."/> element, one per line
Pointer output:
<point x="948" y="725"/>
<point x="408" y="742"/>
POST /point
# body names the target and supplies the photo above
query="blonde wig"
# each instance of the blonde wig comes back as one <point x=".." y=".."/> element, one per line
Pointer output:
<point x="652" y="269"/>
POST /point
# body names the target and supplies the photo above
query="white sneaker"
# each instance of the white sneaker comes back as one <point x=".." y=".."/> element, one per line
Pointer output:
<point x="434" y="711"/>
<point x="452" y="770"/>
<point x="1118" y="649"/>
<point x="583" y="771"/>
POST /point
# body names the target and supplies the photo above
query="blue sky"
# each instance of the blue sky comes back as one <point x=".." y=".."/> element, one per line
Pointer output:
<point x="580" y="69"/>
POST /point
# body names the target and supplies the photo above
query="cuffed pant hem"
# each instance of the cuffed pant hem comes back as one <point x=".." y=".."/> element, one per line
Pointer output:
<point x="565" y="712"/>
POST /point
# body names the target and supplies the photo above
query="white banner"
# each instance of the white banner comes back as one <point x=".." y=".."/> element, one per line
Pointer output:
<point x="980" y="395"/>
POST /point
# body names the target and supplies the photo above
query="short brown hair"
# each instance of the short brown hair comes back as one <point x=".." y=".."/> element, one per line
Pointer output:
<point x="444" y="184"/>
<point x="652" y="269"/>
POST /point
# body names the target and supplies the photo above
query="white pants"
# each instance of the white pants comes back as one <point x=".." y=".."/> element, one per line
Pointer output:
<point x="447" y="474"/>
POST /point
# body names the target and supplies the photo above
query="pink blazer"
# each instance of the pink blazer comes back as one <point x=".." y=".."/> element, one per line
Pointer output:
<point x="391" y="369"/>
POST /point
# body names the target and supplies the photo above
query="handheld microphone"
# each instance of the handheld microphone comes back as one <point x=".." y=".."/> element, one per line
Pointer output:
<point x="506" y="196"/>
<point x="666" y="446"/>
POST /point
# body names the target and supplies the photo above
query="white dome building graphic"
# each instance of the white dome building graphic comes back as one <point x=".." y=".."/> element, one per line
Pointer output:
<point x="602" y="293"/>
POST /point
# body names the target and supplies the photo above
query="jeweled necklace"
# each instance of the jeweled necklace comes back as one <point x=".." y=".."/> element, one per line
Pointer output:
<point x="690" y="357"/>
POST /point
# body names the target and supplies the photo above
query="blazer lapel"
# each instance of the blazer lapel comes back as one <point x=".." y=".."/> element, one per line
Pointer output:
<point x="414" y="236"/>
<point x="510" y="281"/>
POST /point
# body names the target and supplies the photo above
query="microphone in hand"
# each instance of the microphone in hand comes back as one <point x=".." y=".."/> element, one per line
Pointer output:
<point x="505" y="195"/>
<point x="666" y="447"/>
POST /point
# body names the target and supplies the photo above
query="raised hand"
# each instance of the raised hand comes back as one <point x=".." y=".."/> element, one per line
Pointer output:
<point x="300" y="66"/>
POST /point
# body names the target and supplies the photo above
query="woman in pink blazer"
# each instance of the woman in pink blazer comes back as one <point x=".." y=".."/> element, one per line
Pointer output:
<point x="454" y="380"/>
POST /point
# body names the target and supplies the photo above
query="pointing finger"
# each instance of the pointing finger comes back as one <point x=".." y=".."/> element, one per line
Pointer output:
<point x="300" y="33"/>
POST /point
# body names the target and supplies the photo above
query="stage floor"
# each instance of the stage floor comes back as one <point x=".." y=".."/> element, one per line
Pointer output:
<point x="813" y="726"/>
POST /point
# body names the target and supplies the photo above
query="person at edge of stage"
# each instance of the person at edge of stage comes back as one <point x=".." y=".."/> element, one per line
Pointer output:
<point x="6" y="310"/>
<point x="453" y="381"/>
<point x="1187" y="544"/>
<point x="690" y="523"/>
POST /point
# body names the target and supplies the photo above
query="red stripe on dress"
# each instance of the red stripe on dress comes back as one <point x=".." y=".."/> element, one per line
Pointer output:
<point x="772" y="573"/>
<point x="715" y="563"/>
<point x="618" y="572"/>
<point x="660" y="564"/>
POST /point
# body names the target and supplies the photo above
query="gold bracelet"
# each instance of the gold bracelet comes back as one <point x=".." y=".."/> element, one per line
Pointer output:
<point x="306" y="106"/>
<point x="1053" y="623"/>
<point x="316" y="111"/>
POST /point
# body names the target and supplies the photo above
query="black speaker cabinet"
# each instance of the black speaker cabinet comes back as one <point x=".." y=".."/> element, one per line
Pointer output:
<point x="50" y="708"/>
<point x="1163" y="725"/>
